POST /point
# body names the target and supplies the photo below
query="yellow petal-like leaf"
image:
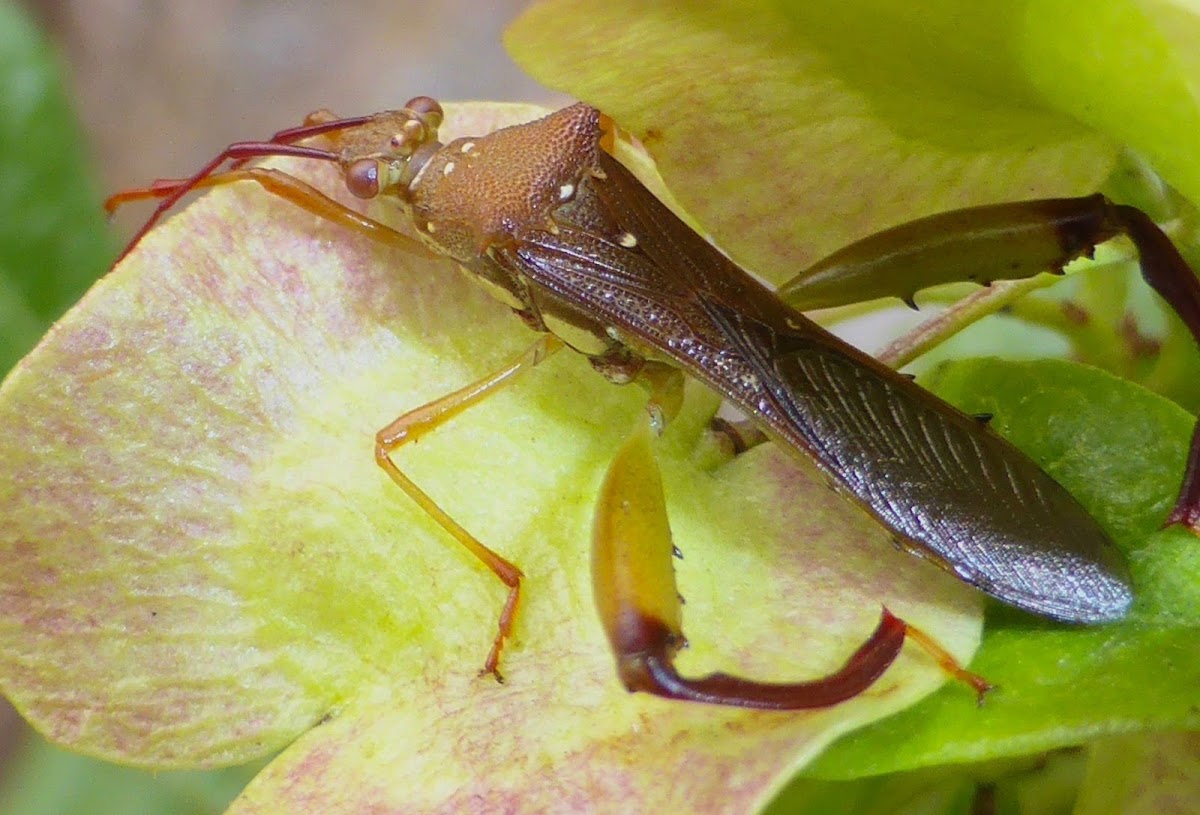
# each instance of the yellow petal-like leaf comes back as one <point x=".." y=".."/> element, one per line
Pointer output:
<point x="203" y="563"/>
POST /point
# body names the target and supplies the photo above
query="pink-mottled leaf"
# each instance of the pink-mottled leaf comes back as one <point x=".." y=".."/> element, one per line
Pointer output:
<point x="203" y="564"/>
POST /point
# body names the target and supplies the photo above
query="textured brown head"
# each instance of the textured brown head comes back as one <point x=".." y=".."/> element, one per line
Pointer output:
<point x="475" y="192"/>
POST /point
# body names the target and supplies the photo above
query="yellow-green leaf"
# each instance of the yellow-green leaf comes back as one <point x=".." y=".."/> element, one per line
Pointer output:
<point x="1142" y="774"/>
<point x="790" y="129"/>
<point x="204" y="564"/>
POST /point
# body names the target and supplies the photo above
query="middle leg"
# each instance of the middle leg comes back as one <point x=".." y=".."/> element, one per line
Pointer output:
<point x="423" y="420"/>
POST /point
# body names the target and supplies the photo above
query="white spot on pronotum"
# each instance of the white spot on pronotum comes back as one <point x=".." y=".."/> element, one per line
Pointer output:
<point x="467" y="147"/>
<point x="565" y="192"/>
<point x="430" y="228"/>
<point x="449" y="168"/>
<point x="628" y="240"/>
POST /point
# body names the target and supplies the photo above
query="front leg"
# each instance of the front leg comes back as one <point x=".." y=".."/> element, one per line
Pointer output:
<point x="287" y="187"/>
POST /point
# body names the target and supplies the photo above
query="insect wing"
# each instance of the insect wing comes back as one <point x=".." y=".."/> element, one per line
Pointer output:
<point x="948" y="488"/>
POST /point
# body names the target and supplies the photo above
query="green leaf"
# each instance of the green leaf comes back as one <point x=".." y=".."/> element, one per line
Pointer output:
<point x="53" y="239"/>
<point x="790" y="129"/>
<point x="1120" y="450"/>
<point x="933" y="793"/>
<point x="1044" y="784"/>
<point x="1129" y="68"/>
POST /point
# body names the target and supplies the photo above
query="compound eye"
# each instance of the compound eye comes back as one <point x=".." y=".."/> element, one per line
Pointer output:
<point x="427" y="109"/>
<point x="362" y="178"/>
